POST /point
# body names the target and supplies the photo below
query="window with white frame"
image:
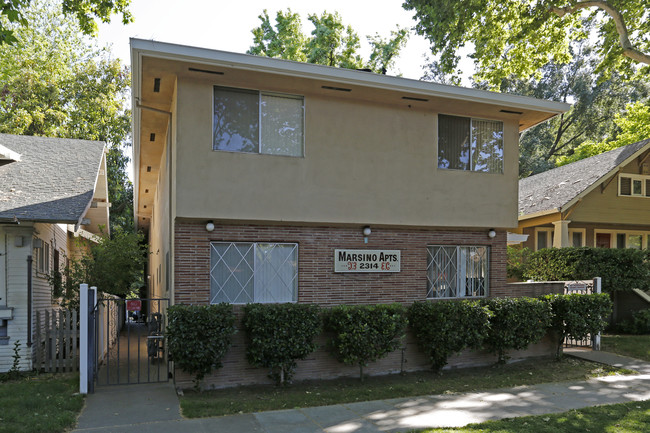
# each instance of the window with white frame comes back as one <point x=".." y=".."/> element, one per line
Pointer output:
<point x="577" y="237"/>
<point x="621" y="239"/>
<point x="633" y="185"/>
<point x="457" y="271"/>
<point x="258" y="122"/>
<point x="543" y="238"/>
<point x="42" y="256"/>
<point x="466" y="143"/>
<point x="243" y="272"/>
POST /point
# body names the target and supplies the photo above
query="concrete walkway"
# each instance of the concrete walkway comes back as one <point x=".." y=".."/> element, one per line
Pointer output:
<point x="154" y="408"/>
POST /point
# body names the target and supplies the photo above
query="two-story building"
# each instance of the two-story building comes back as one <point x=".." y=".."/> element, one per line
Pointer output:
<point x="266" y="180"/>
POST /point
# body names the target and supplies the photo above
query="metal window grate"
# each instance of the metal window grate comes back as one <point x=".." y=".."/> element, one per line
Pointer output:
<point x="457" y="271"/>
<point x="253" y="272"/>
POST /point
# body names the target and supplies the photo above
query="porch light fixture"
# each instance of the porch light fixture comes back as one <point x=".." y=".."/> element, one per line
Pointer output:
<point x="366" y="233"/>
<point x="492" y="233"/>
<point x="209" y="226"/>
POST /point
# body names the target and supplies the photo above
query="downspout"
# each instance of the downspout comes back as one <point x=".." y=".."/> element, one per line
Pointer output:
<point x="29" y="300"/>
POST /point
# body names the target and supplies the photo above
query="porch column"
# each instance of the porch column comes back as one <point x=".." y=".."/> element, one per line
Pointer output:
<point x="561" y="236"/>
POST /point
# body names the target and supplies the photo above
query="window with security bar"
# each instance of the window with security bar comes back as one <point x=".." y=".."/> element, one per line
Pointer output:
<point x="245" y="272"/>
<point x="457" y="271"/>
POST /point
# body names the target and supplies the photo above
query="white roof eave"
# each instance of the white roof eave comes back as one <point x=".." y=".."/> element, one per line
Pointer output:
<point x="345" y="76"/>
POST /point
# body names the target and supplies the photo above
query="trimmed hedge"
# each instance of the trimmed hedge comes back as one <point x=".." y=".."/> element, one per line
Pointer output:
<point x="577" y="315"/>
<point x="619" y="268"/>
<point x="447" y="327"/>
<point x="515" y="324"/>
<point x="199" y="336"/>
<point x="364" y="333"/>
<point x="280" y="334"/>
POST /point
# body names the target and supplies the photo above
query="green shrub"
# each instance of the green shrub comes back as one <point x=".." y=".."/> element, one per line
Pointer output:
<point x="517" y="262"/>
<point x="280" y="334"/>
<point x="447" y="327"/>
<point x="619" y="268"/>
<point x="577" y="316"/>
<point x="639" y="324"/>
<point x="199" y="336"/>
<point x="515" y="324"/>
<point x="365" y="333"/>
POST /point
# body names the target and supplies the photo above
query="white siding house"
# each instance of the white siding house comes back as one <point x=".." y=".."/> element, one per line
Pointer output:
<point x="51" y="191"/>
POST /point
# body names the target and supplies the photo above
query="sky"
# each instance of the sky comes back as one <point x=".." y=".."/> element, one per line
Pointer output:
<point x="227" y="25"/>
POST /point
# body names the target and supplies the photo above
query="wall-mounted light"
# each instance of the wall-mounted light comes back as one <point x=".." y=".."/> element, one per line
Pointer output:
<point x="209" y="226"/>
<point x="492" y="233"/>
<point x="366" y="233"/>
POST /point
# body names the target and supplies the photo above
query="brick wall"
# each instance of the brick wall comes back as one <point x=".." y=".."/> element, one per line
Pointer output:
<point x="319" y="284"/>
<point x="320" y="364"/>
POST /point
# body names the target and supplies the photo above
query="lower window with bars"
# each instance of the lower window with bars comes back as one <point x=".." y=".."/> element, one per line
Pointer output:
<point x="457" y="271"/>
<point x="243" y="272"/>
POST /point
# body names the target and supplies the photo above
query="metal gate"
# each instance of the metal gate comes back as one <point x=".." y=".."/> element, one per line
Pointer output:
<point x="586" y="287"/>
<point x="129" y="344"/>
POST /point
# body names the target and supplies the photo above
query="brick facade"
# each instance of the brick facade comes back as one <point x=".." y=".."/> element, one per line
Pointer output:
<point x="317" y="282"/>
<point x="320" y="285"/>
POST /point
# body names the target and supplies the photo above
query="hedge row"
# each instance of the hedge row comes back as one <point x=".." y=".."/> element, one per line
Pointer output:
<point x="280" y="334"/>
<point x="619" y="268"/>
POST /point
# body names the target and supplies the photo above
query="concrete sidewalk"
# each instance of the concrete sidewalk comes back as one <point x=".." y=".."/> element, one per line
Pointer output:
<point x="154" y="408"/>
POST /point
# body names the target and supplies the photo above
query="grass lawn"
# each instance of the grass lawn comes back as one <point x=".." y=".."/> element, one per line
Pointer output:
<point x="319" y="393"/>
<point x="616" y="418"/>
<point x="636" y="346"/>
<point x="40" y="403"/>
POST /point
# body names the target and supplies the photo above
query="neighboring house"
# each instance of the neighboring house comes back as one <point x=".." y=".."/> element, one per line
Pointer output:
<point x="265" y="180"/>
<point x="51" y="191"/>
<point x="601" y="201"/>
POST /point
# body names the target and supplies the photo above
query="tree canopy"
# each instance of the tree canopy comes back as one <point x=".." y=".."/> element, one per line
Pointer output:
<point x="15" y="14"/>
<point x="330" y="43"/>
<point x="518" y="37"/>
<point x="56" y="83"/>
<point x="595" y="100"/>
<point x="633" y="125"/>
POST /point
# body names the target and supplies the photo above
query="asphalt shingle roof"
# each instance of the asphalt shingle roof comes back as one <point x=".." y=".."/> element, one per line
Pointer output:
<point x="54" y="180"/>
<point x="555" y="188"/>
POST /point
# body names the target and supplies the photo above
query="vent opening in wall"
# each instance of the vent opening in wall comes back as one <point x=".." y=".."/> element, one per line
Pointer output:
<point x="156" y="85"/>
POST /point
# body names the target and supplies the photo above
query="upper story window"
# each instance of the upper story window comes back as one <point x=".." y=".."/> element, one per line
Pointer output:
<point x="258" y="122"/>
<point x="634" y="185"/>
<point x="470" y="144"/>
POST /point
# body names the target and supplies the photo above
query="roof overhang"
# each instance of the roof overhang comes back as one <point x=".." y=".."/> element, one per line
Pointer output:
<point x="604" y="177"/>
<point x="8" y="156"/>
<point x="516" y="238"/>
<point x="526" y="111"/>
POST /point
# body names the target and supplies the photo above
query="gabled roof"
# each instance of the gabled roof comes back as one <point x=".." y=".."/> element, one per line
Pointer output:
<point x="53" y="181"/>
<point x="556" y="190"/>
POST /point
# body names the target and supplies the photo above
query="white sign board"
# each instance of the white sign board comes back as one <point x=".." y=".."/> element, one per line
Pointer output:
<point x="366" y="260"/>
<point x="576" y="287"/>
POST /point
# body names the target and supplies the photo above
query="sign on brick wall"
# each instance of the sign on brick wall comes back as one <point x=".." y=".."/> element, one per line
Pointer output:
<point x="366" y="260"/>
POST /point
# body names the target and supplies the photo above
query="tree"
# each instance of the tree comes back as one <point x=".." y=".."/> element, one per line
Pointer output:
<point x="113" y="264"/>
<point x="633" y="126"/>
<point x="54" y="82"/>
<point x="518" y="37"/>
<point x="15" y="14"/>
<point x="331" y="43"/>
<point x="595" y="103"/>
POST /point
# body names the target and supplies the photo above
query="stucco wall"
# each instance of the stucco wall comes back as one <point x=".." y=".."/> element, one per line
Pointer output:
<point x="365" y="162"/>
